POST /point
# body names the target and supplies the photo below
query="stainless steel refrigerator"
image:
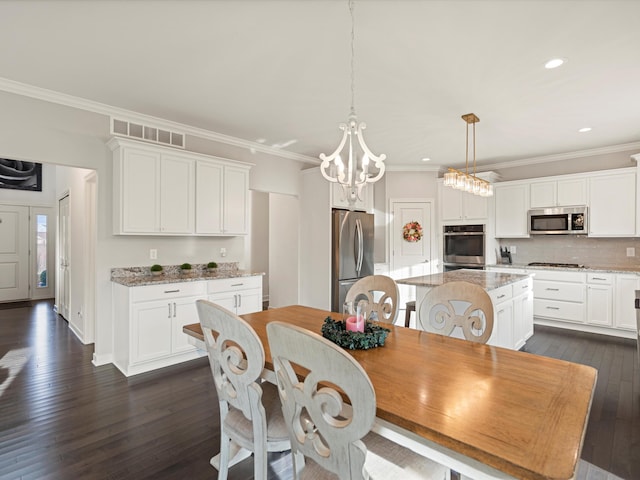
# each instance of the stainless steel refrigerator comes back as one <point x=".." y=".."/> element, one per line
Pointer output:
<point x="352" y="252"/>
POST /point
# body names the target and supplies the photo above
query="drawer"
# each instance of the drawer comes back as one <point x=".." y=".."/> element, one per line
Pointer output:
<point x="572" y="312"/>
<point x="569" y="292"/>
<point x="234" y="284"/>
<point x="523" y="286"/>
<point x="168" y="290"/>
<point x="501" y="294"/>
<point x="600" y="278"/>
<point x="560" y="276"/>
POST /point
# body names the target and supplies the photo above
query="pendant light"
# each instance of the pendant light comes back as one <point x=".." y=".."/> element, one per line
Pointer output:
<point x="352" y="165"/>
<point x="463" y="181"/>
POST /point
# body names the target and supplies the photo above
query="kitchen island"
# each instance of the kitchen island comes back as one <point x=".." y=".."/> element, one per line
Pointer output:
<point x="511" y="294"/>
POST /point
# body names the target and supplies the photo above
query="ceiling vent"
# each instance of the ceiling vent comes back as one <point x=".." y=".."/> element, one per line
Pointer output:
<point x="147" y="133"/>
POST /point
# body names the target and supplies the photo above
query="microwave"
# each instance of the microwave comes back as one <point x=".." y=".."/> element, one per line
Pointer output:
<point x="558" y="221"/>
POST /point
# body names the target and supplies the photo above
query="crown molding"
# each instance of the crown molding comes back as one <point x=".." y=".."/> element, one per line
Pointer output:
<point x="563" y="156"/>
<point x="79" y="103"/>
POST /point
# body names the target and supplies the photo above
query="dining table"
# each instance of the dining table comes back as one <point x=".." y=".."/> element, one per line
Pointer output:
<point x="486" y="412"/>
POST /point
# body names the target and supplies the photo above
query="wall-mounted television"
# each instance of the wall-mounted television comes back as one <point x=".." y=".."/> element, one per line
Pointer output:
<point x="20" y="175"/>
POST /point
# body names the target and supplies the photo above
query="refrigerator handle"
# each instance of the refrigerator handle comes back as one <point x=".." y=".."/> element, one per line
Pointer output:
<point x="360" y="246"/>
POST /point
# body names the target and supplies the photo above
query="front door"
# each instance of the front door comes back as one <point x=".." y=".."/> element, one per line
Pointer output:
<point x="411" y="238"/>
<point x="14" y="253"/>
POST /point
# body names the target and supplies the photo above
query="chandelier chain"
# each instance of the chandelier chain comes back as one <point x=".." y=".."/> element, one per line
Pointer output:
<point x="353" y="55"/>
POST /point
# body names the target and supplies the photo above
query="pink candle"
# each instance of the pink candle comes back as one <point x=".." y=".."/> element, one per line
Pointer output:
<point x="355" y="323"/>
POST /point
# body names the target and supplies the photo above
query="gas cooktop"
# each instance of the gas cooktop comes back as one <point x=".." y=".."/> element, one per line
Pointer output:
<point x="551" y="264"/>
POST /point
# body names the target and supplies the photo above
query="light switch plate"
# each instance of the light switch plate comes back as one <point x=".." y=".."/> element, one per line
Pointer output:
<point x="631" y="252"/>
<point x="153" y="254"/>
<point x="512" y="249"/>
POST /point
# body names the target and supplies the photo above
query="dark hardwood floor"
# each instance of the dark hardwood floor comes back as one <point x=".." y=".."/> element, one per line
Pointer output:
<point x="63" y="418"/>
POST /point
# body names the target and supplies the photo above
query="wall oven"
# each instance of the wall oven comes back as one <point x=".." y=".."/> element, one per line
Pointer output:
<point x="464" y="247"/>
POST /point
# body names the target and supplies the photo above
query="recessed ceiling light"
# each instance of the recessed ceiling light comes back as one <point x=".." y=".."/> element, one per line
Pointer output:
<point x="585" y="129"/>
<point x="554" y="63"/>
<point x="426" y="159"/>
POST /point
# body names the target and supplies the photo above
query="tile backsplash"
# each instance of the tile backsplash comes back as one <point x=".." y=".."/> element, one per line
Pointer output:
<point x="580" y="249"/>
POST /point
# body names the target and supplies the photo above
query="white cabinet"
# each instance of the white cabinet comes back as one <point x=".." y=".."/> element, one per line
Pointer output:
<point x="559" y="295"/>
<point x="600" y="299"/>
<point x="624" y="312"/>
<point x="222" y="199"/>
<point x="503" y="319"/>
<point x="612" y="204"/>
<point x="148" y="323"/>
<point x="458" y="205"/>
<point x="162" y="191"/>
<point x="240" y="295"/>
<point x="522" y="312"/>
<point x="153" y="192"/>
<point x="339" y="199"/>
<point x="511" y="207"/>
<point x="558" y="193"/>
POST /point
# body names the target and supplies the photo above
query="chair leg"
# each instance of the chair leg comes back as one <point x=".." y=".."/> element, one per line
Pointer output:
<point x="223" y="457"/>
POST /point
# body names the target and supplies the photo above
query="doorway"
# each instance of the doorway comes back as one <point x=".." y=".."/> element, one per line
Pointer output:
<point x="64" y="269"/>
<point x="411" y="242"/>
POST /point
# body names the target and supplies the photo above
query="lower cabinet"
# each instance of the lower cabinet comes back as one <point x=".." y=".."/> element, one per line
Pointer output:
<point x="624" y="312"/>
<point x="148" y="323"/>
<point x="240" y="295"/>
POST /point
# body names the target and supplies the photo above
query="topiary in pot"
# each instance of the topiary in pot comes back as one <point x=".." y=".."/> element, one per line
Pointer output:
<point x="211" y="266"/>
<point x="156" y="269"/>
<point x="185" y="268"/>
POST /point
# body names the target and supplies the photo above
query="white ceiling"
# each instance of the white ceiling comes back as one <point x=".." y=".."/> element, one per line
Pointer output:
<point x="278" y="72"/>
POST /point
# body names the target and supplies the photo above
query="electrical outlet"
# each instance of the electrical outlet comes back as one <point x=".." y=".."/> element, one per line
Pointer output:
<point x="153" y="254"/>
<point x="512" y="249"/>
<point x="223" y="252"/>
<point x="631" y="252"/>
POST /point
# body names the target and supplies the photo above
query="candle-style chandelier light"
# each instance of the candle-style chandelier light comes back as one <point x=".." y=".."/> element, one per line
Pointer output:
<point x="357" y="165"/>
<point x="463" y="180"/>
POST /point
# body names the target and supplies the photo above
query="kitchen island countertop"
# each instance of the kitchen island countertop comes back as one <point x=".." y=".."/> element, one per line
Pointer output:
<point x="633" y="269"/>
<point x="487" y="280"/>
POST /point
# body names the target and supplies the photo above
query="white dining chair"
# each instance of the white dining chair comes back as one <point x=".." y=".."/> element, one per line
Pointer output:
<point x="329" y="407"/>
<point x="381" y="294"/>
<point x="250" y="413"/>
<point x="462" y="305"/>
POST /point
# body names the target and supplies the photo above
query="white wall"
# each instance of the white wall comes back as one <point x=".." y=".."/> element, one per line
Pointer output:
<point x="259" y="238"/>
<point x="48" y="133"/>
<point x="284" y="221"/>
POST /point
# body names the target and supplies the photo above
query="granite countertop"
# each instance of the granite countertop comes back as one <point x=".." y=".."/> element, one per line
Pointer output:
<point x="141" y="276"/>
<point x="594" y="268"/>
<point x="487" y="280"/>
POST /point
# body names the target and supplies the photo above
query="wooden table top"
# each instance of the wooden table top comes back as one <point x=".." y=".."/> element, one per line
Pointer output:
<point x="523" y="414"/>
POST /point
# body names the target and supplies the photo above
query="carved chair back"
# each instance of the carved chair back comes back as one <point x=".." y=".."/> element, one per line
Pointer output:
<point x="381" y="294"/>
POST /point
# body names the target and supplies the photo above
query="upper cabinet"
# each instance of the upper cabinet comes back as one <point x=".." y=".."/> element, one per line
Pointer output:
<point x="511" y="207"/>
<point x="612" y="203"/>
<point x="339" y="199"/>
<point x="163" y="191"/>
<point x="558" y="193"/>
<point x="222" y="199"/>
<point x="457" y="205"/>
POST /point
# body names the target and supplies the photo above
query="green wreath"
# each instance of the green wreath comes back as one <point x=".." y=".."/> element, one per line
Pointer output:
<point x="373" y="335"/>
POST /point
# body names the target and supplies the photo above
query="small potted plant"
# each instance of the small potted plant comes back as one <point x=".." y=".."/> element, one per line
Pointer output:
<point x="185" y="268"/>
<point x="156" y="269"/>
<point x="212" y="266"/>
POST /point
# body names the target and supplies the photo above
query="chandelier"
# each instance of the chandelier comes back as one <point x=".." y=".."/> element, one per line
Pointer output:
<point x="462" y="180"/>
<point x="352" y="165"/>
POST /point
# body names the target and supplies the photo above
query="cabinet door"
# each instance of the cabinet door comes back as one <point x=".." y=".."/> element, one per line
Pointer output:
<point x="504" y="320"/>
<point x="184" y="313"/>
<point x="543" y="194"/>
<point x="249" y="301"/>
<point x="209" y="198"/>
<point x="339" y="200"/>
<point x="140" y="185"/>
<point x="474" y="207"/>
<point x="572" y="192"/>
<point x="176" y="194"/>
<point x="151" y="331"/>
<point x="451" y="203"/>
<point x="511" y="206"/>
<point x="226" y="300"/>
<point x="612" y="205"/>
<point x="600" y="304"/>
<point x="624" y="308"/>
<point x="235" y="202"/>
